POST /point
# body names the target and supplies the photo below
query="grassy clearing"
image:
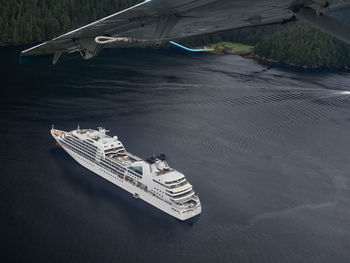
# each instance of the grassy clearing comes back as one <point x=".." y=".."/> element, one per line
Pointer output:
<point x="234" y="46"/>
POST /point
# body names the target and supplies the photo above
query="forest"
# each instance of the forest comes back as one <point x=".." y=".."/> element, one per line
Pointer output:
<point x="38" y="20"/>
<point x="23" y="21"/>
<point x="302" y="45"/>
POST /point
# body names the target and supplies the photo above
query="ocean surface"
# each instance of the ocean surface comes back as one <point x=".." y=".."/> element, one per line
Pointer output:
<point x="267" y="150"/>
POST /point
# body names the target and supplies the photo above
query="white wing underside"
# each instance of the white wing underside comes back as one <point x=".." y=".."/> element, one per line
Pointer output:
<point x="158" y="21"/>
<point x="163" y="20"/>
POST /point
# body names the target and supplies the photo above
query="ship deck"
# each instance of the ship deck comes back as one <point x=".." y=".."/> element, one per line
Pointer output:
<point x="83" y="131"/>
<point x="57" y="133"/>
<point x="125" y="160"/>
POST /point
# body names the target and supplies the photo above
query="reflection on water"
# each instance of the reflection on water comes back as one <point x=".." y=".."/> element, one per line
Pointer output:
<point x="267" y="150"/>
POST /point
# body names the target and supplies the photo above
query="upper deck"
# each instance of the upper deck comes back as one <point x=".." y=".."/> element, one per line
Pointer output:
<point x="125" y="159"/>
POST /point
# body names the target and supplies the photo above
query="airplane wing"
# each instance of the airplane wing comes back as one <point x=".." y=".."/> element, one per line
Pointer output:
<point x="158" y="21"/>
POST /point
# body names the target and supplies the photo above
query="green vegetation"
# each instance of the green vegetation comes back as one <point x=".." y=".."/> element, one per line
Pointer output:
<point x="296" y="44"/>
<point x="302" y="45"/>
<point x="235" y="47"/>
<point x="39" y="20"/>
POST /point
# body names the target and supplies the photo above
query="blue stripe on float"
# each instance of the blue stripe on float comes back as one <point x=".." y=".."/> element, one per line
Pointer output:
<point x="186" y="48"/>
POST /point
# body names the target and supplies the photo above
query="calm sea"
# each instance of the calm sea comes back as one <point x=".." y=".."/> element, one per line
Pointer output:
<point x="266" y="149"/>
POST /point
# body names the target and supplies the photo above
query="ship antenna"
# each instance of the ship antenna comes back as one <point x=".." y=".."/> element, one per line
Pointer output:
<point x="52" y="127"/>
<point x="78" y="127"/>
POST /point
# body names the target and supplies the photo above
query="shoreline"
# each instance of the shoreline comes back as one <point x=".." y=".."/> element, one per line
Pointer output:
<point x="272" y="62"/>
<point x="248" y="52"/>
<point x="228" y="48"/>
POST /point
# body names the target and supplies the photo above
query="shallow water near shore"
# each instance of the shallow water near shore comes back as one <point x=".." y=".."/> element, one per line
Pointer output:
<point x="266" y="149"/>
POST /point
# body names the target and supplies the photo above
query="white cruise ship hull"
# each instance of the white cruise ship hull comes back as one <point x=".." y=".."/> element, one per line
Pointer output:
<point x="133" y="189"/>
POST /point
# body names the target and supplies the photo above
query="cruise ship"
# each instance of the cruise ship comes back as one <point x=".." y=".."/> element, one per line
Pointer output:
<point x="152" y="180"/>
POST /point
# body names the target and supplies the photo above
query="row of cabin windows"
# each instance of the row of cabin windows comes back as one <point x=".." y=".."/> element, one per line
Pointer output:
<point x="159" y="190"/>
<point x="77" y="140"/>
<point x="84" y="160"/>
<point x="179" y="192"/>
<point x="111" y="169"/>
<point x="113" y="166"/>
<point x="79" y="152"/>
<point x="110" y="174"/>
<point x="117" y="167"/>
<point x="114" y="149"/>
<point x="133" y="173"/>
<point x="92" y="147"/>
<point x="90" y="140"/>
<point x="173" y="186"/>
<point x="84" y="142"/>
<point x="78" y="144"/>
<point x="137" y="178"/>
<point x="176" y="181"/>
<point x="182" y="195"/>
<point x="84" y="146"/>
<point x="74" y="149"/>
<point x="158" y="194"/>
<point x="177" y="185"/>
<point x="118" y="171"/>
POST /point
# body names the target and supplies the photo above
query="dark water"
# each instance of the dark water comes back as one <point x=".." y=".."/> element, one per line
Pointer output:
<point x="267" y="150"/>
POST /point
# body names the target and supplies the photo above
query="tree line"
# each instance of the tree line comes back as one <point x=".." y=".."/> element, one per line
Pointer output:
<point x="38" y="20"/>
<point x="303" y="45"/>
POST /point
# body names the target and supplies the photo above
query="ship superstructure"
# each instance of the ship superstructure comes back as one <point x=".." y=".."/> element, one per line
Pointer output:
<point x="152" y="180"/>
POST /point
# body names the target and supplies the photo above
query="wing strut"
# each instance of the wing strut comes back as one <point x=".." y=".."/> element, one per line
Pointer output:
<point x="56" y="57"/>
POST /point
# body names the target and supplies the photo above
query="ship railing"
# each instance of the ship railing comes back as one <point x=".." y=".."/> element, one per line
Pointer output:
<point x="185" y="196"/>
<point x="133" y="157"/>
<point x="191" y="203"/>
<point x="177" y="185"/>
<point x="164" y="171"/>
<point x="195" y="198"/>
<point x="82" y="131"/>
<point x="57" y="133"/>
<point x="135" y="183"/>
